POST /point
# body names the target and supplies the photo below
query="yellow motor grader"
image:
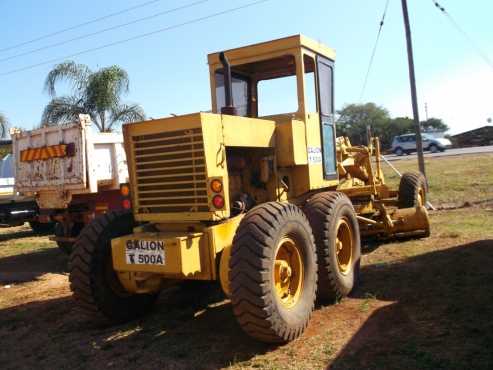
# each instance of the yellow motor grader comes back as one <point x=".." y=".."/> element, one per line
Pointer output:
<point x="268" y="203"/>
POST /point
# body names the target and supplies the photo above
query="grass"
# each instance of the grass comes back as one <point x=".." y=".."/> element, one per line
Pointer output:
<point x="453" y="180"/>
<point x="22" y="240"/>
<point x="12" y="249"/>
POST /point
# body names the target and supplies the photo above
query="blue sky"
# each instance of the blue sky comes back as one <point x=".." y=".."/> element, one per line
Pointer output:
<point x="169" y="74"/>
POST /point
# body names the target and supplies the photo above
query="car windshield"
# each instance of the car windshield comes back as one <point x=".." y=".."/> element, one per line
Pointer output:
<point x="426" y="136"/>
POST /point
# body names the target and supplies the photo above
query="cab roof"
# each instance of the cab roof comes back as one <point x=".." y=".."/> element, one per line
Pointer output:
<point x="255" y="51"/>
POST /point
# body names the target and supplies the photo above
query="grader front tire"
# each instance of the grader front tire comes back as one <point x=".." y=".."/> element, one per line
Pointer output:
<point x="412" y="190"/>
<point x="273" y="272"/>
<point x="95" y="286"/>
<point x="337" y="237"/>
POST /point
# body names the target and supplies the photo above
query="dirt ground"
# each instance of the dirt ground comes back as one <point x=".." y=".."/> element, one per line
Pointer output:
<point x="422" y="304"/>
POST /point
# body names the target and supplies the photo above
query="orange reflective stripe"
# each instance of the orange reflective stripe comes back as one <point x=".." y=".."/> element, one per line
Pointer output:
<point x="37" y="153"/>
<point x="46" y="152"/>
<point x="50" y="151"/>
<point x="31" y="154"/>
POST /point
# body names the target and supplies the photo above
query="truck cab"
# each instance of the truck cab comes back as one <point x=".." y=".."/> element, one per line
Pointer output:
<point x="289" y="81"/>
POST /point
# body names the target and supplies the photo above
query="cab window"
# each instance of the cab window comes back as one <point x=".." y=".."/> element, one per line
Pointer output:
<point x="262" y="88"/>
<point x="277" y="96"/>
<point x="240" y="93"/>
<point x="310" y="84"/>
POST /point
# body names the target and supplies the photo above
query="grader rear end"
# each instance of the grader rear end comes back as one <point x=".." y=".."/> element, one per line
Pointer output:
<point x="271" y="206"/>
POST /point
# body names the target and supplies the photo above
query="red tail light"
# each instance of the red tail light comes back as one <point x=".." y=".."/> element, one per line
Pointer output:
<point x="126" y="204"/>
<point x="218" y="201"/>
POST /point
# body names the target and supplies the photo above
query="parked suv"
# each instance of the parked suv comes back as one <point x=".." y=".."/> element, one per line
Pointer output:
<point x="406" y="144"/>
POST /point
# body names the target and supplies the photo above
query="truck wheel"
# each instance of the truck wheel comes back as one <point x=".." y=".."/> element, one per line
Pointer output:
<point x="433" y="148"/>
<point x="412" y="190"/>
<point x="273" y="272"/>
<point x="93" y="281"/>
<point x="59" y="231"/>
<point x="337" y="237"/>
<point x="41" y="228"/>
<point x="399" y="151"/>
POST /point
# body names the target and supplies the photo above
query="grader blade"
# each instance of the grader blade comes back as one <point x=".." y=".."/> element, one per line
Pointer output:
<point x="410" y="222"/>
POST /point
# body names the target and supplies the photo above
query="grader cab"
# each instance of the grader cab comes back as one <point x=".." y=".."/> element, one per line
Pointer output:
<point x="268" y="203"/>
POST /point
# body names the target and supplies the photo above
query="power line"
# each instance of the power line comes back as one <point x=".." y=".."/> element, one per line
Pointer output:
<point x="372" y="58"/>
<point x="99" y="19"/>
<point x="105" y="30"/>
<point x="142" y="35"/>
<point x="474" y="45"/>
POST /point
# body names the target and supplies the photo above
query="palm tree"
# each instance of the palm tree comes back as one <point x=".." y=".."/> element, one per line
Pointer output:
<point x="95" y="93"/>
<point x="4" y="125"/>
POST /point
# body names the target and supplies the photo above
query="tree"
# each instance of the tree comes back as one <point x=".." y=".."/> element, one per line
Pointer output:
<point x="354" y="118"/>
<point x="434" y="124"/>
<point x="95" y="93"/>
<point x="396" y="126"/>
<point x="4" y="125"/>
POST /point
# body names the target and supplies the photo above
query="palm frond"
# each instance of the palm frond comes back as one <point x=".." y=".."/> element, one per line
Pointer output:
<point x="118" y="77"/>
<point x="97" y="94"/>
<point x="105" y="87"/>
<point x="62" y="110"/>
<point x="76" y="74"/>
<point x="125" y="113"/>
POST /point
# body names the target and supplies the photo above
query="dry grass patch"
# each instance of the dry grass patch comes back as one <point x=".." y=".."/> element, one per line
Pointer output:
<point x="453" y="180"/>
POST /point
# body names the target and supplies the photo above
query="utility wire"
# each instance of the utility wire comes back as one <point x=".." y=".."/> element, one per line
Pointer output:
<point x="106" y="30"/>
<point x="48" y="35"/>
<point x="474" y="45"/>
<point x="372" y="58"/>
<point x="140" y="36"/>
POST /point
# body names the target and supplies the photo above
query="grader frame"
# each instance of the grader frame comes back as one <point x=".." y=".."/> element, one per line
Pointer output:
<point x="252" y="202"/>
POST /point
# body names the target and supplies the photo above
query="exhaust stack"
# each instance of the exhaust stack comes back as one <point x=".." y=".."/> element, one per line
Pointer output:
<point x="228" y="87"/>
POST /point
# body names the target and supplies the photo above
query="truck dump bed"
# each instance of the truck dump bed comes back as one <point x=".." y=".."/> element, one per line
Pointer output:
<point x="55" y="163"/>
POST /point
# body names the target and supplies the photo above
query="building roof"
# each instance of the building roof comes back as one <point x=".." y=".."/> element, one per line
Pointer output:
<point x="477" y="130"/>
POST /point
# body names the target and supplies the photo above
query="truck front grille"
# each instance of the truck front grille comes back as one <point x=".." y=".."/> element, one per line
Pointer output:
<point x="170" y="172"/>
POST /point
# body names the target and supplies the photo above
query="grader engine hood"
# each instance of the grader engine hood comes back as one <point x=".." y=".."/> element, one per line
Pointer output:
<point x="174" y="161"/>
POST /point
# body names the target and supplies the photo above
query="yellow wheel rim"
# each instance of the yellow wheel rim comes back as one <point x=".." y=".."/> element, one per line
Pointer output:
<point x="421" y="197"/>
<point x="344" y="246"/>
<point x="288" y="272"/>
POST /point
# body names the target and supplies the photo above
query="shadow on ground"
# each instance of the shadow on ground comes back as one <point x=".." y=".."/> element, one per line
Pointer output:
<point x="12" y="235"/>
<point x="181" y="333"/>
<point x="442" y="317"/>
<point x="27" y="267"/>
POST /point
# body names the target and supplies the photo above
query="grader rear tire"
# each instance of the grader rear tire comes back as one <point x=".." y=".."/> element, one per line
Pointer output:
<point x="412" y="190"/>
<point x="94" y="283"/>
<point x="337" y="237"/>
<point x="273" y="272"/>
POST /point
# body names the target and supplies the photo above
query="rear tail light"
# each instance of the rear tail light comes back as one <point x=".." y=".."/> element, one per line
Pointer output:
<point x="126" y="204"/>
<point x="218" y="201"/>
<point x="125" y="193"/>
<point x="125" y="190"/>
<point x="216" y="186"/>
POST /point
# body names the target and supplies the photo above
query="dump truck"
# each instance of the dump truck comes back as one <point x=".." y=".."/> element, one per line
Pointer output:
<point x="15" y="208"/>
<point x="72" y="172"/>
<point x="270" y="205"/>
